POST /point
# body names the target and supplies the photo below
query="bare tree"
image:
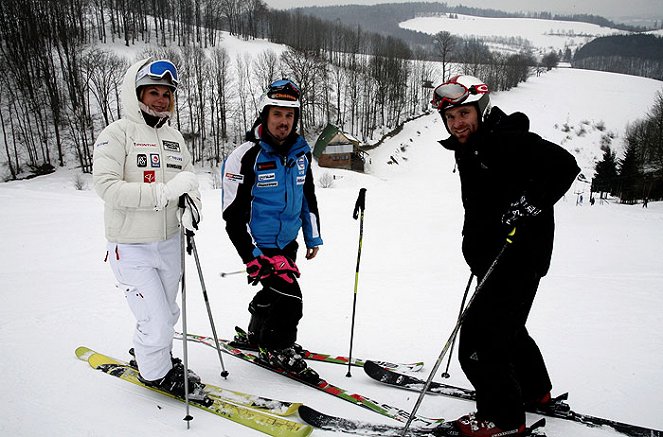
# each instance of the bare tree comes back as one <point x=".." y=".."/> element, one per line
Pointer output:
<point x="444" y="44"/>
<point x="105" y="79"/>
<point x="266" y="67"/>
<point x="220" y="86"/>
<point x="303" y="67"/>
<point x="243" y="90"/>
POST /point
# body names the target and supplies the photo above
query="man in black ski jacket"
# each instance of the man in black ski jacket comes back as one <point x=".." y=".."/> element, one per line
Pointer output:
<point x="510" y="179"/>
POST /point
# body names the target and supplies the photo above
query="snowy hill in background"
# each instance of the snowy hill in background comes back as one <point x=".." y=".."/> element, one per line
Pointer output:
<point x="596" y="316"/>
<point x="543" y="35"/>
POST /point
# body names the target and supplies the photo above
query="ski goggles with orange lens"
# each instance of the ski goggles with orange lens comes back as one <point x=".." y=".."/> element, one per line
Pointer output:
<point x="454" y="93"/>
<point x="159" y="69"/>
<point x="283" y="89"/>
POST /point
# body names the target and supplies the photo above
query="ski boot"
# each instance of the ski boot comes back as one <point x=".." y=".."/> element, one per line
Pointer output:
<point x="471" y="425"/>
<point x="291" y="360"/>
<point x="555" y="407"/>
<point x="173" y="381"/>
<point x="247" y="341"/>
<point x="244" y="340"/>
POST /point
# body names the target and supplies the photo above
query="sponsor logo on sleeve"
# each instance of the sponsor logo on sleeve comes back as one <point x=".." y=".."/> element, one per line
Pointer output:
<point x="232" y="177"/>
<point x="171" y="146"/>
<point x="141" y="160"/>
<point x="101" y="143"/>
<point x="149" y="176"/>
<point x="155" y="160"/>
<point x="301" y="180"/>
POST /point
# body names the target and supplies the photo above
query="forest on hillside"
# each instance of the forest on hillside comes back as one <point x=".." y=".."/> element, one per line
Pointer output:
<point x="638" y="55"/>
<point x="62" y="66"/>
<point x="638" y="173"/>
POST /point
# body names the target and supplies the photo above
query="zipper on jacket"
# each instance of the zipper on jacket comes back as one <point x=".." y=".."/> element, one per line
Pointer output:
<point x="163" y="180"/>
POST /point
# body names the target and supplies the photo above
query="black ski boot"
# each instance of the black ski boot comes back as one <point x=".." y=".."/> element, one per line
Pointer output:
<point x="244" y="340"/>
<point x="291" y="360"/>
<point x="555" y="407"/>
<point x="173" y="381"/>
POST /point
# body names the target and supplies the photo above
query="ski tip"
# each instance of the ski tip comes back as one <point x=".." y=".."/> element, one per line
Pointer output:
<point x="83" y="353"/>
<point x="533" y="429"/>
<point x="96" y="360"/>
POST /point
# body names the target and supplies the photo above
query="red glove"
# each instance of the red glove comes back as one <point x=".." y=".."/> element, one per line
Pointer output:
<point x="259" y="268"/>
<point x="284" y="268"/>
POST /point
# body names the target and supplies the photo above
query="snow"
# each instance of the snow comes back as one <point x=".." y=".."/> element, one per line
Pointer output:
<point x="596" y="316"/>
<point x="544" y="35"/>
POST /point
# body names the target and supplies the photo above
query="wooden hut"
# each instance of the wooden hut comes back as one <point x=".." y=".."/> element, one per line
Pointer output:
<point x="338" y="149"/>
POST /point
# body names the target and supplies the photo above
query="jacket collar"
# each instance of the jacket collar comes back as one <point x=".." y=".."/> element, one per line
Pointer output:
<point x="496" y="122"/>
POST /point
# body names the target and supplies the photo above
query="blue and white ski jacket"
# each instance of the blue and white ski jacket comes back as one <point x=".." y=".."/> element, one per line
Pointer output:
<point x="268" y="197"/>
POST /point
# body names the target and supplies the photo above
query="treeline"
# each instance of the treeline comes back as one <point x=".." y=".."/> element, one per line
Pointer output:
<point x="638" y="174"/>
<point x="638" y="55"/>
<point x="61" y="76"/>
<point x="385" y="18"/>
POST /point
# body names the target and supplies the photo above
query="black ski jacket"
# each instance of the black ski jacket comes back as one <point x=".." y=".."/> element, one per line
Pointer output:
<point x="502" y="162"/>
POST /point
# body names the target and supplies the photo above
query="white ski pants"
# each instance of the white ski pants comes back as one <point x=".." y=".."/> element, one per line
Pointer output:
<point x="149" y="275"/>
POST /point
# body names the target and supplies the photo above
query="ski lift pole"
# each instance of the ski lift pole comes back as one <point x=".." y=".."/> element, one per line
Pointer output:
<point x="447" y="345"/>
<point x="360" y="204"/>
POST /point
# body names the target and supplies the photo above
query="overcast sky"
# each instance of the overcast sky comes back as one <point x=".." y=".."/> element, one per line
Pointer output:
<point x="647" y="9"/>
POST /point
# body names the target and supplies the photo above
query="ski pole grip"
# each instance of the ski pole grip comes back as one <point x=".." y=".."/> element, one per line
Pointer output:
<point x="360" y="203"/>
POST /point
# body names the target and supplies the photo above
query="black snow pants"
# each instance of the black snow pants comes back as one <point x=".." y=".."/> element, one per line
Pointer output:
<point x="496" y="352"/>
<point x="277" y="308"/>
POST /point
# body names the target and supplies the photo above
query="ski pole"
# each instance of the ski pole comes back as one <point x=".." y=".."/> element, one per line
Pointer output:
<point x="460" y="312"/>
<point x="360" y="204"/>
<point x="188" y="416"/>
<point x="237" y="272"/>
<point x="455" y="332"/>
<point x="224" y="372"/>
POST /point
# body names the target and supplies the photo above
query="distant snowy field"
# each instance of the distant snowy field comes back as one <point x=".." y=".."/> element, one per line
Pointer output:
<point x="544" y="35"/>
<point x="597" y="316"/>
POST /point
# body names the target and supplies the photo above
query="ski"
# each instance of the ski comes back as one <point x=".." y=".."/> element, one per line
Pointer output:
<point x="324" y="386"/>
<point x="249" y="417"/>
<point x="313" y="356"/>
<point x="560" y="409"/>
<point x="351" y="426"/>
<point x="267" y="405"/>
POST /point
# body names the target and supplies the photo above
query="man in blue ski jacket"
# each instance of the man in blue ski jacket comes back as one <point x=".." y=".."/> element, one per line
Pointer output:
<point x="268" y="196"/>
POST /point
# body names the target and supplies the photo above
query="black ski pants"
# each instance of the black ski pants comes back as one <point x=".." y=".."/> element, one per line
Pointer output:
<point x="276" y="308"/>
<point x="496" y="352"/>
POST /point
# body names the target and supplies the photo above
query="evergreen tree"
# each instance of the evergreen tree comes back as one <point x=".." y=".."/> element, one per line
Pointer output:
<point x="605" y="179"/>
<point x="630" y="175"/>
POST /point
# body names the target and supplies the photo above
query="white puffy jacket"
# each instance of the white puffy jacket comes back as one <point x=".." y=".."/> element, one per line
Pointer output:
<point x="130" y="160"/>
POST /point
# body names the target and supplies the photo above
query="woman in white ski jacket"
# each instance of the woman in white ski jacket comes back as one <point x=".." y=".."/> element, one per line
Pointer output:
<point x="141" y="168"/>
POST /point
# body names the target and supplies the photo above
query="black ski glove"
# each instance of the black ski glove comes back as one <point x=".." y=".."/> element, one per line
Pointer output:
<point x="518" y="211"/>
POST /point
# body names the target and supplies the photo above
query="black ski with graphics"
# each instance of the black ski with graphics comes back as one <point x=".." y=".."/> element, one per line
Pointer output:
<point x="558" y="408"/>
<point x="358" y="427"/>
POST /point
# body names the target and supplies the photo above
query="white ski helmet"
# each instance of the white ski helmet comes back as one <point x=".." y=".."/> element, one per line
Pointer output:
<point x="462" y="90"/>
<point x="284" y="93"/>
<point x="159" y="72"/>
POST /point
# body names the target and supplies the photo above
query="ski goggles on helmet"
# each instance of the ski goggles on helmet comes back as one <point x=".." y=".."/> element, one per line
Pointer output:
<point x="158" y="70"/>
<point x="283" y="89"/>
<point x="454" y="93"/>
